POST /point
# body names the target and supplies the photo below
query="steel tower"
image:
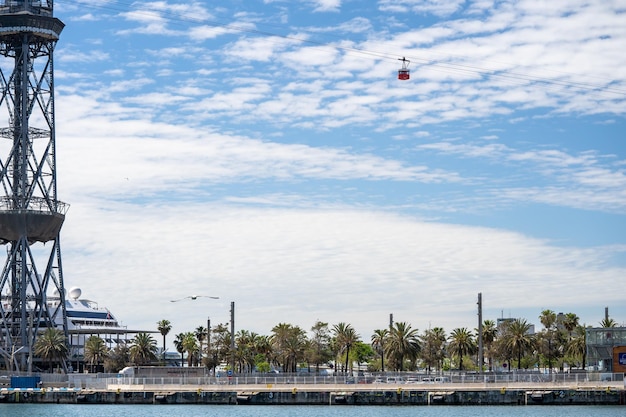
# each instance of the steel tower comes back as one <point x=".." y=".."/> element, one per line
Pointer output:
<point x="31" y="284"/>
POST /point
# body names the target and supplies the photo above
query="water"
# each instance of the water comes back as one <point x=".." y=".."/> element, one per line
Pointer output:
<point x="97" y="410"/>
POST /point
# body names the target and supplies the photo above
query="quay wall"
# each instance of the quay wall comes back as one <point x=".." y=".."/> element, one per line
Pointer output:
<point x="295" y="396"/>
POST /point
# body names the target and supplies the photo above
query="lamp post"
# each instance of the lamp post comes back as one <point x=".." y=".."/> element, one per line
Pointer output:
<point x="195" y="297"/>
<point x="232" y="336"/>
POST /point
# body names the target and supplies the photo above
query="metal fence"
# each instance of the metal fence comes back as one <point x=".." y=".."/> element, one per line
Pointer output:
<point x="104" y="381"/>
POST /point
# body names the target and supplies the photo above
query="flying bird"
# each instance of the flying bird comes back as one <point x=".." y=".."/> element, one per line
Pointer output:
<point x="193" y="297"/>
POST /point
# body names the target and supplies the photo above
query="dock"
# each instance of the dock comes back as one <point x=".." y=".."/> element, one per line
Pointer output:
<point x="331" y="395"/>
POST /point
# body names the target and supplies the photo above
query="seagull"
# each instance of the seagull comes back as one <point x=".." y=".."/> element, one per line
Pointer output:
<point x="193" y="297"/>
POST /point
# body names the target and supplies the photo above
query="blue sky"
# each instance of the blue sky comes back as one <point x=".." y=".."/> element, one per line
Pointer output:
<point x="266" y="153"/>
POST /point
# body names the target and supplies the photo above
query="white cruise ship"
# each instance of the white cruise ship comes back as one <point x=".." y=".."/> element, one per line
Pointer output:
<point x="85" y="318"/>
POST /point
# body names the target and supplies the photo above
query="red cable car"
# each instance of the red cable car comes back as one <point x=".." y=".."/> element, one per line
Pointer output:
<point x="403" y="73"/>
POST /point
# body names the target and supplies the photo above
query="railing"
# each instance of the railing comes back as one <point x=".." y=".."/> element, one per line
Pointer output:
<point x="594" y="378"/>
<point x="379" y="381"/>
<point x="39" y="204"/>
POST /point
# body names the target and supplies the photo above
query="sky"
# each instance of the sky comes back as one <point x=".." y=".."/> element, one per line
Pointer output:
<point x="265" y="152"/>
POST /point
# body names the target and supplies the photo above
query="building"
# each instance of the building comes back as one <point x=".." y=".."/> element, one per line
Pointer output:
<point x="606" y="348"/>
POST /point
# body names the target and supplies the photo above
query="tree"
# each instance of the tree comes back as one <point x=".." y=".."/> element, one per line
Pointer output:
<point x="517" y="338"/>
<point x="319" y="344"/>
<point x="570" y="323"/>
<point x="263" y="347"/>
<point x="433" y="343"/>
<point x="346" y="338"/>
<point x="95" y="351"/>
<point x="402" y="344"/>
<point x="190" y="345"/>
<point x="200" y="334"/>
<point x="220" y="346"/>
<point x="549" y="320"/>
<point x="178" y="344"/>
<point x="289" y="343"/>
<point x="51" y="346"/>
<point x="379" y="341"/>
<point x="577" y="345"/>
<point x="461" y="341"/>
<point x="363" y="353"/>
<point x="490" y="333"/>
<point x="143" y="349"/>
<point x="117" y="359"/>
<point x="164" y="327"/>
<point x="608" y="322"/>
<point x="246" y="351"/>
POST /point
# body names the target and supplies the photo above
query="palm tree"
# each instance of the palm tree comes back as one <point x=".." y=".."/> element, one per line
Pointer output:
<point x="402" y="343"/>
<point x="346" y="338"/>
<point x="462" y="342"/>
<point x="164" y="327"/>
<point x="608" y="322"/>
<point x="143" y="349"/>
<point x="295" y="347"/>
<point x="289" y="344"/>
<point x="570" y="323"/>
<point x="190" y="345"/>
<point x="178" y="344"/>
<point x="549" y="320"/>
<point x="200" y="334"/>
<point x="51" y="346"/>
<point x="379" y="340"/>
<point x="246" y="350"/>
<point x="490" y="333"/>
<point x="95" y="351"/>
<point x="517" y="338"/>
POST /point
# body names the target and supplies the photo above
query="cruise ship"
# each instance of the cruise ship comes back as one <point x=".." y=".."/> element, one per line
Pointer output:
<point x="85" y="318"/>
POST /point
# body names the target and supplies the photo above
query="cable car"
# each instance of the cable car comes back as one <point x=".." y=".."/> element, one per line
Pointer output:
<point x="403" y="73"/>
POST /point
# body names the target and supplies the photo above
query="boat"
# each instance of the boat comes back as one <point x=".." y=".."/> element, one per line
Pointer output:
<point x="85" y="318"/>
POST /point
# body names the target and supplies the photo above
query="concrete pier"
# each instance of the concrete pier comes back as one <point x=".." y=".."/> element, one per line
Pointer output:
<point x="308" y="395"/>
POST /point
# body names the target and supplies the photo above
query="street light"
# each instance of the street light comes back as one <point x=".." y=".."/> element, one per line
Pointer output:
<point x="195" y="297"/>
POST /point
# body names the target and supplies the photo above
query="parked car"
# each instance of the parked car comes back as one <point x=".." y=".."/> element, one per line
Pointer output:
<point x="395" y="380"/>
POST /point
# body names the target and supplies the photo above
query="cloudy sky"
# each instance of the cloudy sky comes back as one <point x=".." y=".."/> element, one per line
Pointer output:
<point x="265" y="152"/>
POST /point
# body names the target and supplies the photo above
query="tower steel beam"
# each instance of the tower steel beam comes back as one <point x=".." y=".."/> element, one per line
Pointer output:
<point x="31" y="216"/>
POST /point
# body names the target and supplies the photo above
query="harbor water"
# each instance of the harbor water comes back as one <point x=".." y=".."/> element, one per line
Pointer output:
<point x="88" y="410"/>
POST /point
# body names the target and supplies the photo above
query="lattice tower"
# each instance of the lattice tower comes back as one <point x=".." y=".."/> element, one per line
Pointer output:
<point x="31" y="216"/>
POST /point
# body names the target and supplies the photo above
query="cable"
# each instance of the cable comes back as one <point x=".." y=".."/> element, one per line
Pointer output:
<point x="450" y="67"/>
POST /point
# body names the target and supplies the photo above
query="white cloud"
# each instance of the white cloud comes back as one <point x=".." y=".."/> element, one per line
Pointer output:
<point x="339" y="265"/>
<point x="436" y="7"/>
<point x="272" y="172"/>
<point x="326" y="5"/>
